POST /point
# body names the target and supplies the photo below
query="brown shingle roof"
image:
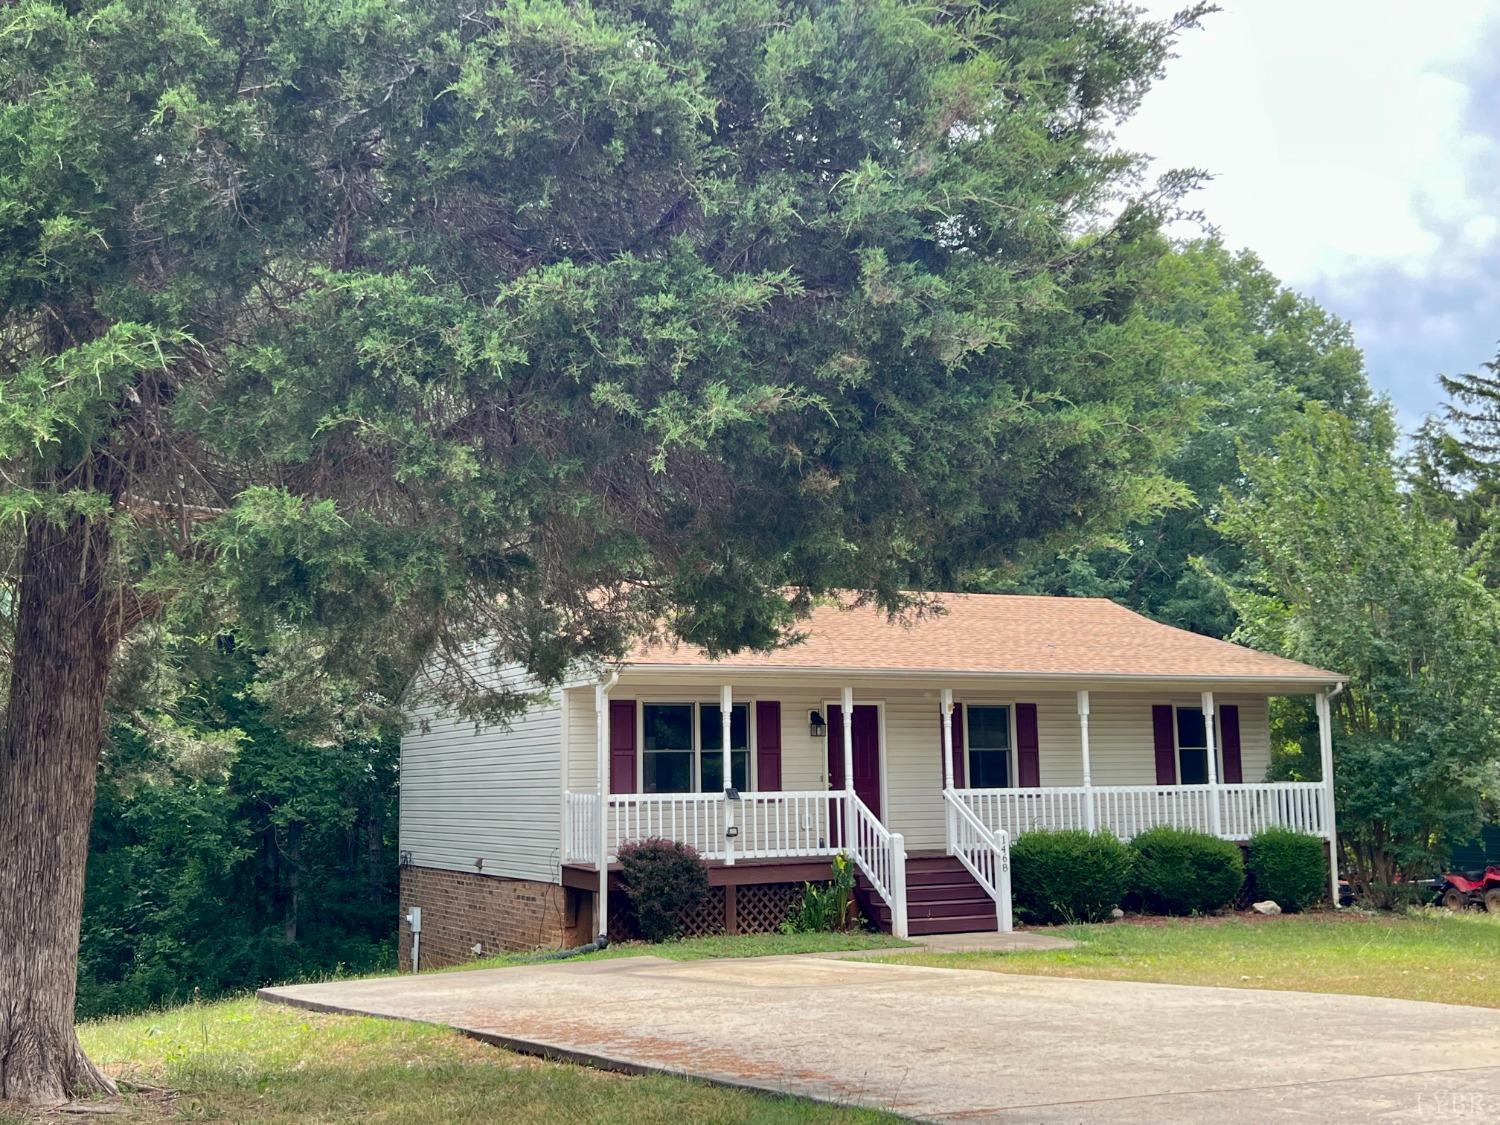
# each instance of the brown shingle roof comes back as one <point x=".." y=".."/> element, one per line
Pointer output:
<point x="1002" y="635"/>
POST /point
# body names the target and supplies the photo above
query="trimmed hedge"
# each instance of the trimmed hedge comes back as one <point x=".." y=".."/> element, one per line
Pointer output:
<point x="1067" y="876"/>
<point x="662" y="878"/>
<point x="1179" y="872"/>
<point x="1289" y="867"/>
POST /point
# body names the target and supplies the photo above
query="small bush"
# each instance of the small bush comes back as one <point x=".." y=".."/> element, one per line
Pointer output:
<point x="1180" y="872"/>
<point x="1069" y="876"/>
<point x="662" y="878"/>
<point x="826" y="907"/>
<point x="1288" y="866"/>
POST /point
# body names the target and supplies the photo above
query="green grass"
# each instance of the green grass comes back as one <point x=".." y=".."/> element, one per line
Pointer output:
<point x="701" y="948"/>
<point x="1421" y="955"/>
<point x="246" y="1061"/>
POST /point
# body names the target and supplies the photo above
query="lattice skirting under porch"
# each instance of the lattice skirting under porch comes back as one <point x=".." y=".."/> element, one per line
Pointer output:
<point x="755" y="908"/>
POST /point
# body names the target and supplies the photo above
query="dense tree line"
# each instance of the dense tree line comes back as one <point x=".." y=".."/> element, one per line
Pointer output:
<point x="234" y="843"/>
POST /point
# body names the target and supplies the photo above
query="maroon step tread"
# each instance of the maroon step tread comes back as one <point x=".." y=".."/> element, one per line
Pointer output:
<point x="967" y="924"/>
<point x="939" y="892"/>
<point x="941" y="898"/>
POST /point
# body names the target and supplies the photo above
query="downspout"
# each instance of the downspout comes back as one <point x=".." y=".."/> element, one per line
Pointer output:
<point x="601" y="739"/>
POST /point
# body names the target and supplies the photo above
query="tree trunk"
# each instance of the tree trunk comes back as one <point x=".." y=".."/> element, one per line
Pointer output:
<point x="66" y="636"/>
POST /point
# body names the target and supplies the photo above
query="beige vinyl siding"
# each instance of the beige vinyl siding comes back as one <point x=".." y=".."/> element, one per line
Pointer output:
<point x="1120" y="737"/>
<point x="485" y="794"/>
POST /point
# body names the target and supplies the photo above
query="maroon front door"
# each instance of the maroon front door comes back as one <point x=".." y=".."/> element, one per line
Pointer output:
<point x="866" y="728"/>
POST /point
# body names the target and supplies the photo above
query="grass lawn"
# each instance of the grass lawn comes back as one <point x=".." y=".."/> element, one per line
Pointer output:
<point x="698" y="949"/>
<point x="1422" y="955"/>
<point x="246" y="1061"/>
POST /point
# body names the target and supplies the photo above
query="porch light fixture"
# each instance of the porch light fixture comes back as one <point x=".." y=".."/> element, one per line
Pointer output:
<point x="815" y="724"/>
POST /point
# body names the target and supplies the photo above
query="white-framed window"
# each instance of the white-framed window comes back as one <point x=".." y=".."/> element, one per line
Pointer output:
<point x="682" y="747"/>
<point x="1192" y="746"/>
<point x="987" y="736"/>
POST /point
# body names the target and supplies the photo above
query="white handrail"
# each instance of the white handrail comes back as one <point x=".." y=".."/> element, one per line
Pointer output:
<point x="881" y="855"/>
<point x="985" y="854"/>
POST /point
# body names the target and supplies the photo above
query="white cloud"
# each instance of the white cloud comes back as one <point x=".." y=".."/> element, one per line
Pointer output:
<point x="1342" y="138"/>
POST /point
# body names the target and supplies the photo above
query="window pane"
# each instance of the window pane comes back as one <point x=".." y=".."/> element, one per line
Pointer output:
<point x="1194" y="766"/>
<point x="711" y="730"/>
<point x="1191" y="730"/>
<point x="668" y="726"/>
<point x="667" y="771"/>
<point x="989" y="769"/>
<point x="989" y="728"/>
<point x="713" y="770"/>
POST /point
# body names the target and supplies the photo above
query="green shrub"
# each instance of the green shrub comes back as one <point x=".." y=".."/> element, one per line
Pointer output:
<point x="1179" y="872"/>
<point x="1288" y="866"/>
<point x="1069" y="876"/>
<point x="826" y="907"/>
<point x="662" y="879"/>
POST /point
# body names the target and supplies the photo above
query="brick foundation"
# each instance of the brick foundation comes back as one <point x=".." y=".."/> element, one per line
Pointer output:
<point x="461" y="909"/>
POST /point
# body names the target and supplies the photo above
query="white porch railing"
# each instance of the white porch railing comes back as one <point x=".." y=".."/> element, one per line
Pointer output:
<point x="1246" y="809"/>
<point x="1128" y="810"/>
<point x="581" y="828"/>
<point x="881" y="855"/>
<point x="771" y="825"/>
<point x="985" y="854"/>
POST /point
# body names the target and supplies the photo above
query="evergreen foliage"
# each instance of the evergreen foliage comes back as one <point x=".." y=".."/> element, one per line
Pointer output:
<point x="1177" y="871"/>
<point x="1068" y="876"/>
<point x="401" y="325"/>
<point x="1288" y="867"/>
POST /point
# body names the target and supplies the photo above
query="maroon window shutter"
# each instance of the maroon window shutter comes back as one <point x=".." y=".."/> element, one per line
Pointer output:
<point x="1229" y="734"/>
<point x="622" y="746"/>
<point x="958" y="746"/>
<point x="1165" y="738"/>
<point x="1028" y="748"/>
<point x="768" y="745"/>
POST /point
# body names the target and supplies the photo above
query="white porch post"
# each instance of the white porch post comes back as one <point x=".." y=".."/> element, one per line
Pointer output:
<point x="726" y="711"/>
<point x="1090" y="814"/>
<point x="1325" y="753"/>
<point x="601" y="748"/>
<point x="1214" y="824"/>
<point x="846" y="717"/>
<point x="945" y="706"/>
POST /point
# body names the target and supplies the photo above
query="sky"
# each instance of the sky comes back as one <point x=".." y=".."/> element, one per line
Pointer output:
<point x="1355" y="147"/>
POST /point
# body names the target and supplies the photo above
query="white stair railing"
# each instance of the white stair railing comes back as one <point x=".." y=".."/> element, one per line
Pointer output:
<point x="881" y="855"/>
<point x="985" y="854"/>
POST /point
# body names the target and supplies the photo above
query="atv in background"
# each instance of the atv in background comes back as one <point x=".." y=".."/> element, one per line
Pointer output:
<point x="1457" y="890"/>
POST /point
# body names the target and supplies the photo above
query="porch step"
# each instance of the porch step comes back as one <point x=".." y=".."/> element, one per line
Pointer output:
<point x="960" y="924"/>
<point x="941" y="898"/>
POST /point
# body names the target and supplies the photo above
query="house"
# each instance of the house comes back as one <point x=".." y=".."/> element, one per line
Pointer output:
<point x="919" y="748"/>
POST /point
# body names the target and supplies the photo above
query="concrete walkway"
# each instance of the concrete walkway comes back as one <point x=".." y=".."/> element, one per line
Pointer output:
<point x="943" y="1044"/>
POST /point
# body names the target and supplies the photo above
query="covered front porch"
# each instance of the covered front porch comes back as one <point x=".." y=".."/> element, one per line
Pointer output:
<point x="896" y="771"/>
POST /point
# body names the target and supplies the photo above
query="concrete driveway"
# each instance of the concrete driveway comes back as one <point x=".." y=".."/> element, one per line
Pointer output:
<point x="952" y="1045"/>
